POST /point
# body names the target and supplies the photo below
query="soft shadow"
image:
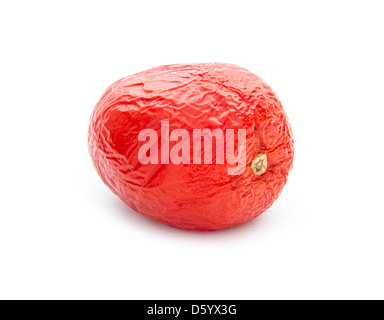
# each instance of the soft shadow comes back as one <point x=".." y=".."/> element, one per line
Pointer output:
<point x="142" y="222"/>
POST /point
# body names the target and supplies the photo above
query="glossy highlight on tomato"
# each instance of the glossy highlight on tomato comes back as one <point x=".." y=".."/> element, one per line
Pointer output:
<point x="195" y="196"/>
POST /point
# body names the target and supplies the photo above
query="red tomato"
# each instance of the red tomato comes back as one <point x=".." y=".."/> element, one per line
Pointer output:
<point x="200" y="146"/>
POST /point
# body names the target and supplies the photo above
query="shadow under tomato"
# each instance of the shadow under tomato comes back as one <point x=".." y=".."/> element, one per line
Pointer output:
<point x="140" y="221"/>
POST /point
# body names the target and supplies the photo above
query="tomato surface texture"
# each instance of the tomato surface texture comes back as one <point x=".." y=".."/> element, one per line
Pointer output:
<point x="196" y="195"/>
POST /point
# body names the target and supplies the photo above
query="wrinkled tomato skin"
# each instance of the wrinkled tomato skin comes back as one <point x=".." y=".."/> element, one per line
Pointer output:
<point x="196" y="96"/>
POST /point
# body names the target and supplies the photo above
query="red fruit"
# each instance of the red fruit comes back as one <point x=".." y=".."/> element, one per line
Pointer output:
<point x="197" y="96"/>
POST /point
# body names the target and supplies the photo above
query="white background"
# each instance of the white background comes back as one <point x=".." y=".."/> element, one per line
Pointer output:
<point x="64" y="235"/>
